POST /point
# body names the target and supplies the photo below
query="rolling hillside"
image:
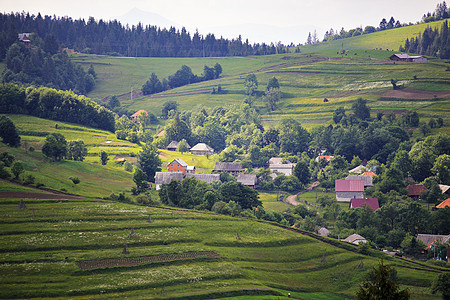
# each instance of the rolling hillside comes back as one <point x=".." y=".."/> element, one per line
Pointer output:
<point x="65" y="247"/>
<point x="305" y="78"/>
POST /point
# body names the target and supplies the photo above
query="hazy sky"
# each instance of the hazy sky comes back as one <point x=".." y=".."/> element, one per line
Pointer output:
<point x="213" y="14"/>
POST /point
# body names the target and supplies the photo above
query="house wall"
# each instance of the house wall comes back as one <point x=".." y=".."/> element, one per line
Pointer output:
<point x="176" y="167"/>
<point x="347" y="196"/>
<point x="286" y="172"/>
<point x="420" y="60"/>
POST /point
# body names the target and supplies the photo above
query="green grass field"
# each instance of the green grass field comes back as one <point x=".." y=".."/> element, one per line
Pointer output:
<point x="306" y="79"/>
<point x="42" y="244"/>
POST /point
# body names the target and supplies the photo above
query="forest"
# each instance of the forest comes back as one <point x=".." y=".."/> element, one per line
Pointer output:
<point x="113" y="38"/>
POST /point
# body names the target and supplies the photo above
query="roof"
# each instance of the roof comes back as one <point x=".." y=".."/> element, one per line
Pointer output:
<point x="161" y="133"/>
<point x="371" y="174"/>
<point x="228" y="167"/>
<point x="139" y="112"/>
<point x="354" y="238"/>
<point x="326" y="157"/>
<point x="180" y="161"/>
<point x="278" y="161"/>
<point x="445" y="203"/>
<point x="370" y="202"/>
<point x="444" y="188"/>
<point x="415" y="189"/>
<point x="173" y="144"/>
<point x="167" y="177"/>
<point x="202" y="147"/>
<point x="349" y="185"/>
<point x="205" y="177"/>
<point x="323" y="231"/>
<point x="367" y="179"/>
<point x="281" y="166"/>
<point x="247" y="179"/>
<point x="429" y="238"/>
<point x="358" y="170"/>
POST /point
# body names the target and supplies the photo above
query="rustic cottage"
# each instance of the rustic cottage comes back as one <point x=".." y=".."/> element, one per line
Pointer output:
<point x="229" y="167"/>
<point x="408" y="58"/>
<point x="209" y="178"/>
<point x="202" y="149"/>
<point x="366" y="178"/>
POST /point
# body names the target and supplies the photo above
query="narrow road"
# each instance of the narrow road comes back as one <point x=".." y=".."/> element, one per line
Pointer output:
<point x="292" y="199"/>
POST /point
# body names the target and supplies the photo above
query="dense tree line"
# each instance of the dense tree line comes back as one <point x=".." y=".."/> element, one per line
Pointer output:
<point x="57" y="105"/>
<point x="441" y="12"/>
<point x="41" y="65"/>
<point x="183" y="76"/>
<point x="113" y="38"/>
<point x="432" y="42"/>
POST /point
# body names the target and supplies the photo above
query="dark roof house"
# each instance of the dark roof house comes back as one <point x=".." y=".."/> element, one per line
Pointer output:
<point x="408" y="58"/>
<point x="415" y="190"/>
<point x="174" y="144"/>
<point x="209" y="178"/>
<point x="166" y="177"/>
<point x="249" y="180"/>
<point x="366" y="178"/>
<point x="229" y="167"/>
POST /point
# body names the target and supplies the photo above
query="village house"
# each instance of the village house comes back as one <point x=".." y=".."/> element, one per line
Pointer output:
<point x="135" y="117"/>
<point x="285" y="169"/>
<point x="355" y="239"/>
<point x="278" y="161"/>
<point x="415" y="191"/>
<point x="348" y="189"/>
<point x="328" y="158"/>
<point x="249" y="180"/>
<point x="372" y="203"/>
<point x="202" y="149"/>
<point x="208" y="178"/>
<point x="323" y="231"/>
<point x="444" y="204"/>
<point x="432" y="241"/>
<point x="166" y="177"/>
<point x="358" y="170"/>
<point x="445" y="189"/>
<point x="408" y="58"/>
<point x="174" y="144"/>
<point x="178" y="165"/>
<point x="229" y="167"/>
<point x="25" y="39"/>
<point x="366" y="178"/>
<point x="371" y="174"/>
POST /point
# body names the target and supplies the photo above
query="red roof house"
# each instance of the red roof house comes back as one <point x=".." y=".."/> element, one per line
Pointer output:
<point x="369" y="202"/>
<point x="415" y="190"/>
<point x="136" y="114"/>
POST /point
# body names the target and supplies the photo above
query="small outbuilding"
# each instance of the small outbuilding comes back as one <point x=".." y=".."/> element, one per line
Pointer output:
<point x="202" y="149"/>
<point x="407" y="58"/>
<point x="249" y="180"/>
<point x="415" y="191"/>
<point x="229" y="167"/>
<point x="209" y="178"/>
<point x="355" y="239"/>
<point x="166" y="177"/>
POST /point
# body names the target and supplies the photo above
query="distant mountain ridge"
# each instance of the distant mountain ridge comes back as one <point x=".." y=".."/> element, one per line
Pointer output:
<point x="136" y="16"/>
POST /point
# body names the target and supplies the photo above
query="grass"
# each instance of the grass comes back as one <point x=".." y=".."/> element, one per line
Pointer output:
<point x="270" y="202"/>
<point x="268" y="261"/>
<point x="305" y="78"/>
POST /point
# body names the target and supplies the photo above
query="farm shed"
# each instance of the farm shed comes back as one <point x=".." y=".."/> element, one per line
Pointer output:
<point x="209" y="178"/>
<point x="174" y="144"/>
<point x="249" y="180"/>
<point x="228" y="167"/>
<point x="355" y="239"/>
<point x="408" y="58"/>
<point x="202" y="149"/>
<point x="415" y="190"/>
<point x="166" y="177"/>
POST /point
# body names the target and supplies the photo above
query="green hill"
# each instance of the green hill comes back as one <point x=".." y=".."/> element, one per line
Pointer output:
<point x="73" y="248"/>
<point x="305" y="78"/>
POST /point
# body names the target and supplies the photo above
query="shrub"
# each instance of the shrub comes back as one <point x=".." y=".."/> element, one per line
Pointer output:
<point x="127" y="166"/>
<point x="29" y="179"/>
<point x="75" y="180"/>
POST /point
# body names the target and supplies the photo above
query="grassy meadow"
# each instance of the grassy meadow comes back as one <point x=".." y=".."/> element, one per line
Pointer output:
<point x="306" y="79"/>
<point x="42" y="244"/>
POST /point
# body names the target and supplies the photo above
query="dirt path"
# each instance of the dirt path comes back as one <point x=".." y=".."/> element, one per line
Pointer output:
<point x="409" y="93"/>
<point x="292" y="199"/>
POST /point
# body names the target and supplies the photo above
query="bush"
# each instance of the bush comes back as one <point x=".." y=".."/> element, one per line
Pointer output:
<point x="29" y="179"/>
<point x="127" y="166"/>
<point x="75" y="180"/>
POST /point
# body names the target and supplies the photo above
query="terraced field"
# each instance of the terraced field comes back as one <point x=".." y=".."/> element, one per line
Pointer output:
<point x="173" y="254"/>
